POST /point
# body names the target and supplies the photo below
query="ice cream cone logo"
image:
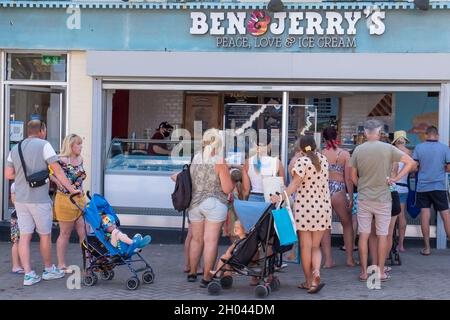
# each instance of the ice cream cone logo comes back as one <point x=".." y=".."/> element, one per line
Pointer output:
<point x="258" y="23"/>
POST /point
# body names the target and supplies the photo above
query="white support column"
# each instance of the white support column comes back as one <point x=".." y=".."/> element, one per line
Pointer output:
<point x="97" y="126"/>
<point x="444" y="137"/>
<point x="285" y="131"/>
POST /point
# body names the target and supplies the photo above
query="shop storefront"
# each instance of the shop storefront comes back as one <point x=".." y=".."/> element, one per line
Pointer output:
<point x="130" y="66"/>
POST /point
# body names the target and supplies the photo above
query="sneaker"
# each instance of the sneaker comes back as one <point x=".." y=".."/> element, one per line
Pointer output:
<point x="53" y="273"/>
<point x="31" y="278"/>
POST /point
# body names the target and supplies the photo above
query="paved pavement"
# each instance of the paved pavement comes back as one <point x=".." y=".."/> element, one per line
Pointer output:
<point x="419" y="277"/>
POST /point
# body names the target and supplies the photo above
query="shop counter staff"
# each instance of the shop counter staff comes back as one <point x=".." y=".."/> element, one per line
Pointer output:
<point x="160" y="149"/>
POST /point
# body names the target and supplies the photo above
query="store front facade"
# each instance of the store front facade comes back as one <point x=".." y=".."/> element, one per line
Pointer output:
<point x="130" y="68"/>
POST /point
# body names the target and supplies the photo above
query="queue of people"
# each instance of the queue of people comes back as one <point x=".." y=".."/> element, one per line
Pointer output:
<point x="321" y="182"/>
<point x="356" y="187"/>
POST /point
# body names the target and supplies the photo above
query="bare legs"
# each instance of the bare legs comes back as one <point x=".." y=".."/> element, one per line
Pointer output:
<point x="196" y="246"/>
<point x="15" y="257"/>
<point x="205" y="238"/>
<point x="311" y="254"/>
<point x="211" y="241"/>
<point x="187" y="245"/>
<point x="425" y="225"/>
<point x="65" y="230"/>
<point x="425" y="219"/>
<point x="339" y="204"/>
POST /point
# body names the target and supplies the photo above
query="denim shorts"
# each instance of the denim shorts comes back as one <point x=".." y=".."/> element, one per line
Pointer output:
<point x="403" y="197"/>
<point x="209" y="209"/>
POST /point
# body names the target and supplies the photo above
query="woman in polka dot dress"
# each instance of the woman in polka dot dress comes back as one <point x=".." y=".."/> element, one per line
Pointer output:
<point x="312" y="209"/>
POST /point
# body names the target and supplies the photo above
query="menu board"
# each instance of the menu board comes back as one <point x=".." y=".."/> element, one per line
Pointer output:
<point x="237" y="115"/>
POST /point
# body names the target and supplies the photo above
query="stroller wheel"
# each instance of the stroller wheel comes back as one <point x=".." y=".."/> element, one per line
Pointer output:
<point x="132" y="283"/>
<point x="148" y="277"/>
<point x="90" y="280"/>
<point x="107" y="274"/>
<point x="214" y="288"/>
<point x="226" y="282"/>
<point x="262" y="291"/>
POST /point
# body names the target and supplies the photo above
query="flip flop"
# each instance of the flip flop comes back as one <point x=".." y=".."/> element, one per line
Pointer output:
<point x="303" y="286"/>
<point x="188" y="271"/>
<point x="18" y="271"/>
<point x="422" y="252"/>
<point x="316" y="288"/>
<point x="387" y="278"/>
<point x="363" y="279"/>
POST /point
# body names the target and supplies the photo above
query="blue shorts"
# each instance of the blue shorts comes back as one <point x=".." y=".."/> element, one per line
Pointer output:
<point x="403" y="197"/>
<point x="257" y="197"/>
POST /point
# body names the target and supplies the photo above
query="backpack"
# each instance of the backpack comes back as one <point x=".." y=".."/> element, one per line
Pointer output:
<point x="181" y="196"/>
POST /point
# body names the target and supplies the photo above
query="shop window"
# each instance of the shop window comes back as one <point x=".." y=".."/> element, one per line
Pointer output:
<point x="37" y="67"/>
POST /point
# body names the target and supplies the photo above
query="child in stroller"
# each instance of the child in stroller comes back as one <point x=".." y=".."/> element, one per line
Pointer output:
<point x="100" y="255"/>
<point x="120" y="240"/>
<point x="240" y="255"/>
<point x="239" y="231"/>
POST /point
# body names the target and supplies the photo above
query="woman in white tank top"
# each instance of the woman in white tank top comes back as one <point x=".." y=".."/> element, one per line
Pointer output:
<point x="255" y="169"/>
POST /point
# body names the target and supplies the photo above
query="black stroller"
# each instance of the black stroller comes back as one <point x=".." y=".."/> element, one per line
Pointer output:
<point x="99" y="256"/>
<point x="261" y="235"/>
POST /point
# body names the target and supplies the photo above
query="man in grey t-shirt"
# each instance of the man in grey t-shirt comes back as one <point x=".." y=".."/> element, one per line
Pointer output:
<point x="371" y="165"/>
<point x="33" y="205"/>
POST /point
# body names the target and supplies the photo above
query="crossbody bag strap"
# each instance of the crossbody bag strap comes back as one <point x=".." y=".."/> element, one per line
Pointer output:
<point x="24" y="167"/>
<point x="417" y="181"/>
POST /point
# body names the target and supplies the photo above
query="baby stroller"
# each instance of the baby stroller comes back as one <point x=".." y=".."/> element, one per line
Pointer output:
<point x="260" y="234"/>
<point x="99" y="256"/>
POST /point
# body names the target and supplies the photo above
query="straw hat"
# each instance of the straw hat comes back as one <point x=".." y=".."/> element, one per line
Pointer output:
<point x="400" y="134"/>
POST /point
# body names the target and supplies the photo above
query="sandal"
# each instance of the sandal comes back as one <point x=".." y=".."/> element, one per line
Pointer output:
<point x="204" y="283"/>
<point x="18" y="271"/>
<point x="316" y="286"/>
<point x="191" y="277"/>
<point x="386" y="277"/>
<point x="303" y="286"/>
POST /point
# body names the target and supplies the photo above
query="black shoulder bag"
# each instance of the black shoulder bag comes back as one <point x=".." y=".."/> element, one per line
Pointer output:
<point x="36" y="179"/>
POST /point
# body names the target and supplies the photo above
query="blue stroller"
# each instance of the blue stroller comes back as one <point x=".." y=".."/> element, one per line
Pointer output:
<point x="99" y="256"/>
<point x="257" y="219"/>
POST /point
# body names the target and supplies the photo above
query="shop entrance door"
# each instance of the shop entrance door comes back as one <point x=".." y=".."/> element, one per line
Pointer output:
<point x="22" y="104"/>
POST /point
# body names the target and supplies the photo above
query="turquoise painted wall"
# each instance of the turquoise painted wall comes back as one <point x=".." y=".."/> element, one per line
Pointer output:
<point x="412" y="109"/>
<point x="168" y="30"/>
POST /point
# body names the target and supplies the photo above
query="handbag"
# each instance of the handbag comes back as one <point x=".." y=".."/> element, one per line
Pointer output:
<point x="272" y="184"/>
<point x="36" y="179"/>
<point x="411" y="207"/>
<point x="284" y="224"/>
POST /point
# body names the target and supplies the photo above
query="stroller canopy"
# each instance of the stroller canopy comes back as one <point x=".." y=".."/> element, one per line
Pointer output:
<point x="249" y="212"/>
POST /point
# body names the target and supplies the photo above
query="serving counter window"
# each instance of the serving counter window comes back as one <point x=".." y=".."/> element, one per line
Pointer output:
<point x="134" y="179"/>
